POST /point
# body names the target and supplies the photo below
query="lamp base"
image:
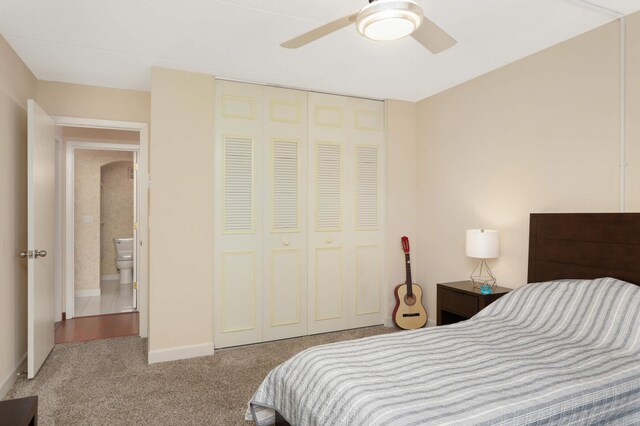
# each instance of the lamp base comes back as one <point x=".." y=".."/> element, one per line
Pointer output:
<point x="482" y="276"/>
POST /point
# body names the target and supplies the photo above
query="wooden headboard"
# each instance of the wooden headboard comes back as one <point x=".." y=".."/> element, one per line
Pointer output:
<point x="584" y="246"/>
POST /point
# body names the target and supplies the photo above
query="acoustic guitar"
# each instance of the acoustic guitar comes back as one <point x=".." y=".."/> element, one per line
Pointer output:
<point x="409" y="312"/>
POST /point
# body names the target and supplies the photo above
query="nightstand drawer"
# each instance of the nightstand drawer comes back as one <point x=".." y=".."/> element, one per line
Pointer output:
<point x="459" y="303"/>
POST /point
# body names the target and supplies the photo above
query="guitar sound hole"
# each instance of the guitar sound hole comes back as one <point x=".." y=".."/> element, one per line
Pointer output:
<point x="410" y="300"/>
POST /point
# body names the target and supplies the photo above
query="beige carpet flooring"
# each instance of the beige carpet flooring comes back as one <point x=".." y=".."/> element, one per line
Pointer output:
<point x="108" y="382"/>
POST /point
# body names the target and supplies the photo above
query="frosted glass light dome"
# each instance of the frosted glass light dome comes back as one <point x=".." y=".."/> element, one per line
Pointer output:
<point x="386" y="20"/>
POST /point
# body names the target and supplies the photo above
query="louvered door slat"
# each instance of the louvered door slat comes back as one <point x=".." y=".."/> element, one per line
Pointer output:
<point x="328" y="187"/>
<point x="367" y="187"/>
<point x="238" y="185"/>
<point x="286" y="186"/>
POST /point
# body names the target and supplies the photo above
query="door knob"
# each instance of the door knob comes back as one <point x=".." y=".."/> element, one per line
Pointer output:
<point x="26" y="254"/>
<point x="285" y="242"/>
<point x="40" y="253"/>
<point x="329" y="240"/>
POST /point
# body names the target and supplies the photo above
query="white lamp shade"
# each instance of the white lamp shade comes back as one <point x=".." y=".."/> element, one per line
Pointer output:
<point x="483" y="243"/>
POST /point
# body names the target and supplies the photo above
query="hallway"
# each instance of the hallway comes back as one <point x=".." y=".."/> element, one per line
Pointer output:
<point x="97" y="327"/>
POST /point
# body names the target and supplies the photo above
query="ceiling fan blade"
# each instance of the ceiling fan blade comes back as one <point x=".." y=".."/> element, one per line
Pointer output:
<point x="319" y="32"/>
<point x="434" y="38"/>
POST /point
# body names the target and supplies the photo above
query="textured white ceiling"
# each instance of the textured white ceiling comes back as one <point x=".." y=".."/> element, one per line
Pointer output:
<point x="115" y="43"/>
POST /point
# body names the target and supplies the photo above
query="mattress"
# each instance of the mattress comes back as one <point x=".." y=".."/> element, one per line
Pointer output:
<point x="560" y="352"/>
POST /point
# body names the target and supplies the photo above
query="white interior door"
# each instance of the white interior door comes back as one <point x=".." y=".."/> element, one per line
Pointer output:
<point x="366" y="136"/>
<point x="284" y="214"/>
<point x="330" y="266"/>
<point x="238" y="149"/>
<point x="40" y="252"/>
<point x="136" y="221"/>
<point x="346" y="154"/>
<point x="260" y="248"/>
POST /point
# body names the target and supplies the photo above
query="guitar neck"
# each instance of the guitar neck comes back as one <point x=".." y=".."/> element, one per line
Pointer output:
<point x="408" y="281"/>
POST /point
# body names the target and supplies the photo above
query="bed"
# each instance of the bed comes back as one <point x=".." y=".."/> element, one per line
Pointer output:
<point x="564" y="349"/>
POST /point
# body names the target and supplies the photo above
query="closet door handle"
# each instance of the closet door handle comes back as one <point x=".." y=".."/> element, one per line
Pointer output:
<point x="285" y="242"/>
<point x="329" y="240"/>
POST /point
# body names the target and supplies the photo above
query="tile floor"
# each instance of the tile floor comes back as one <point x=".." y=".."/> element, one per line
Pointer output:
<point x="113" y="298"/>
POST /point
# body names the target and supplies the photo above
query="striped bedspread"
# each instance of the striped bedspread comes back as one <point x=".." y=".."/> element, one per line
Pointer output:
<point x="561" y="352"/>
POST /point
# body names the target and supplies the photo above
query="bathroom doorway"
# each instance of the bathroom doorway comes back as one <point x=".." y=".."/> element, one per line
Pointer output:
<point x="117" y="220"/>
<point x="101" y="238"/>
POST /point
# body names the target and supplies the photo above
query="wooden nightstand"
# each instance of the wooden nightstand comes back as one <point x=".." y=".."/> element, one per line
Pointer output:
<point x="459" y="301"/>
<point x="19" y="412"/>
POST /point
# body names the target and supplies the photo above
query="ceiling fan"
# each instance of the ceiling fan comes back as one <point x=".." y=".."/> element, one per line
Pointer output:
<point x="385" y="20"/>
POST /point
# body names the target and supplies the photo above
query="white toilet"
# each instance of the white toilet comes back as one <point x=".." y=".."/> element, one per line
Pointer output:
<point x="124" y="259"/>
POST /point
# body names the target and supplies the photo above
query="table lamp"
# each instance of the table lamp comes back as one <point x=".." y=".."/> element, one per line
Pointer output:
<point x="483" y="244"/>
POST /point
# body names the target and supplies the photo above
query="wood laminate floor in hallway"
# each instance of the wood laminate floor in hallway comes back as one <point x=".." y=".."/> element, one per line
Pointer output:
<point x="83" y="329"/>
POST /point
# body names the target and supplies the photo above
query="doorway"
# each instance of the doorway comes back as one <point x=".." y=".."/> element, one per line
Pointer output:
<point x="101" y="217"/>
<point x="104" y="220"/>
<point x="105" y="188"/>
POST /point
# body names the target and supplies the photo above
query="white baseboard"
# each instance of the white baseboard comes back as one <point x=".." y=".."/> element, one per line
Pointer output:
<point x="109" y="277"/>
<point x="8" y="381"/>
<point x="90" y="292"/>
<point x="180" y="352"/>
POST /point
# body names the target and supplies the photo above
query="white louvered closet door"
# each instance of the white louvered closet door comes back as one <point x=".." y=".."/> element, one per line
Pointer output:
<point x="346" y="141"/>
<point x="239" y="148"/>
<point x="298" y="216"/>
<point x="330" y="267"/>
<point x="285" y="214"/>
<point x="366" y="137"/>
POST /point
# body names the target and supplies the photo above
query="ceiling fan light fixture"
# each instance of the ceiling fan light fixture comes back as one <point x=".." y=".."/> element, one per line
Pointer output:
<point x="386" y="20"/>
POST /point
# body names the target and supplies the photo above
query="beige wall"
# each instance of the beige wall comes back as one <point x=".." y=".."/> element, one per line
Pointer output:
<point x="117" y="211"/>
<point x="539" y="135"/>
<point x="17" y="84"/>
<point x="76" y="100"/>
<point x="633" y="114"/>
<point x="401" y="191"/>
<point x="181" y="214"/>
<point x="87" y="166"/>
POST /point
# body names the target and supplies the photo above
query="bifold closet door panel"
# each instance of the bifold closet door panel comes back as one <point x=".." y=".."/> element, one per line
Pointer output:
<point x="346" y="142"/>
<point x="366" y="135"/>
<point x="284" y="213"/>
<point x="330" y="253"/>
<point x="238" y="256"/>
